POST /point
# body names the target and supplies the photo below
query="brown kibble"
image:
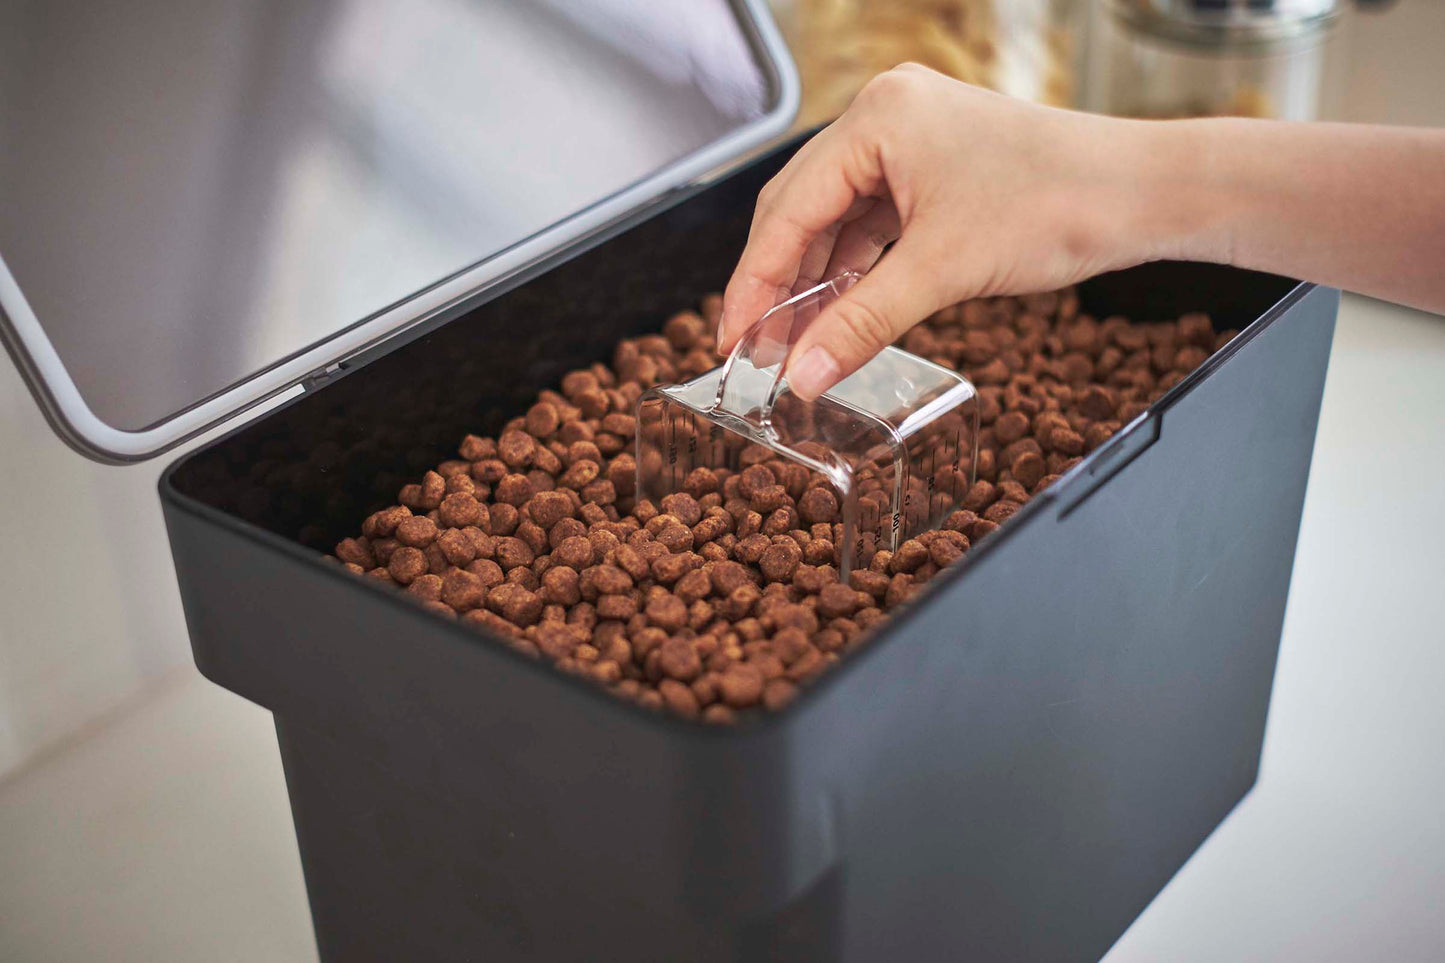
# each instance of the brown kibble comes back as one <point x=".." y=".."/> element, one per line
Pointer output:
<point x="600" y="492"/>
<point x="768" y="498"/>
<point x="618" y="607"/>
<point x="679" y="660"/>
<point x="514" y="490"/>
<point x="542" y="420"/>
<point x="575" y="383"/>
<point x="355" y="551"/>
<point x="462" y="590"/>
<point x="728" y="577"/>
<point x="667" y="612"/>
<point x="726" y="594"/>
<point x="1196" y="329"/>
<point x="561" y="585"/>
<point x="909" y="556"/>
<point x="1028" y="468"/>
<point x="777" y="693"/>
<point x="838" y="601"/>
<point x="426" y="587"/>
<point x="1001" y="511"/>
<point x="979" y="496"/>
<point x="418" y="531"/>
<point x="678" y="698"/>
<point x="684" y="329"/>
<point x="1096" y="402"/>
<point x="1010" y="426"/>
<point x="781" y="521"/>
<point x="433" y="488"/>
<point x="489" y="471"/>
<point x="475" y="448"/>
<point x="753" y="478"/>
<point x="406" y="564"/>
<point x="900" y="588"/>
<point x="1189" y="357"/>
<point x="741" y="686"/>
<point x="683" y="507"/>
<point x="608" y="579"/>
<point x="488" y="571"/>
<point x="943" y="552"/>
<point x="549" y="508"/>
<point x="780" y="560"/>
<point x="873" y="583"/>
<point x="719" y="715"/>
<point x="1066" y="441"/>
<point x="513" y="552"/>
<point x="818" y="506"/>
<point x="515" y="448"/>
<point x="673" y="534"/>
<point x="515" y="603"/>
<point x="620" y="424"/>
<point x="575" y="552"/>
<point x="693" y="586"/>
<point x="383" y="524"/>
<point x="557" y="640"/>
<point x="631" y="561"/>
<point x="668" y="568"/>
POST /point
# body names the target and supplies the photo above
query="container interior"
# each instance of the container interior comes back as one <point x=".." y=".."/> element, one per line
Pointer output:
<point x="313" y="469"/>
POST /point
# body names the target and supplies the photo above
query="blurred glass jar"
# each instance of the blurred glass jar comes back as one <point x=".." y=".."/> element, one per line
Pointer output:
<point x="1199" y="58"/>
<point x="1026" y="48"/>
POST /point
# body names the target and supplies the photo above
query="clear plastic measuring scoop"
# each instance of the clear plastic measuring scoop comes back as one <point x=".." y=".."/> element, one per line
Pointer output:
<point x="894" y="443"/>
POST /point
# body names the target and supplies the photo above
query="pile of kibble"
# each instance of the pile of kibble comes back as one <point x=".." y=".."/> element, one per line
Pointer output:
<point x="726" y="595"/>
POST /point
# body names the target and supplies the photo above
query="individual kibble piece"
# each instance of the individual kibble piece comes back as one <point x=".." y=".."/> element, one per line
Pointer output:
<point x="679" y="698"/>
<point x="549" y="508"/>
<point x="683" y="507"/>
<point x="741" y="685"/>
<point x="356" y="551"/>
<point x="515" y="448"/>
<point x="418" y="531"/>
<point x="839" y="601"/>
<point x="667" y="612"/>
<point x="406" y="564"/>
<point x="427" y="587"/>
<point x="780" y="560"/>
<point x="677" y="658"/>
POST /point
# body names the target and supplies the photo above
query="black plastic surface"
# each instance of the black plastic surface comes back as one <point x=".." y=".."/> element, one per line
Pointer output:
<point x="1009" y="771"/>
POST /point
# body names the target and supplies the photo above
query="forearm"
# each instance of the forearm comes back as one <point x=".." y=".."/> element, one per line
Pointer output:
<point x="1352" y="206"/>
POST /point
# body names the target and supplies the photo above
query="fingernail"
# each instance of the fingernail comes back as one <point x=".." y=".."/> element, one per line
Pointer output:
<point x="814" y="373"/>
<point x="722" y="325"/>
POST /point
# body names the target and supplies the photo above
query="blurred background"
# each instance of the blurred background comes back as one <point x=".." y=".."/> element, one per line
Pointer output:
<point x="142" y="811"/>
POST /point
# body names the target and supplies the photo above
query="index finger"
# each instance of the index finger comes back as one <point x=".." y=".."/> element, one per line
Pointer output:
<point x="814" y="191"/>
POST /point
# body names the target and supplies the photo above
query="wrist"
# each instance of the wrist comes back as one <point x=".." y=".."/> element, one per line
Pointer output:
<point x="1177" y="206"/>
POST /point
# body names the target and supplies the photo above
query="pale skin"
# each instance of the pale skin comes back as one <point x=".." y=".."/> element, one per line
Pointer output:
<point x="982" y="195"/>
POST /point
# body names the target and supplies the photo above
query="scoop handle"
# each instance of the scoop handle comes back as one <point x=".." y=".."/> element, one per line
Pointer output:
<point x="752" y="377"/>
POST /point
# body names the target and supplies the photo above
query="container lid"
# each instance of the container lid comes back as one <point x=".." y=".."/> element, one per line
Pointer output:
<point x="1230" y="23"/>
<point x="207" y="202"/>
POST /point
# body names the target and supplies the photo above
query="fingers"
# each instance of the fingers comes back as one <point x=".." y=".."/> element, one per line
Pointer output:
<point x="860" y="242"/>
<point x="898" y="293"/>
<point x="809" y="196"/>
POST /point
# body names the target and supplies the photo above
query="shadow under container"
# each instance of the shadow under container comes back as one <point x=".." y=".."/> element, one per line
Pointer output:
<point x="1010" y="770"/>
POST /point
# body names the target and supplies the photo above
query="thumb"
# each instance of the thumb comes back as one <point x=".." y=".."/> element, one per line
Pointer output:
<point x="900" y="291"/>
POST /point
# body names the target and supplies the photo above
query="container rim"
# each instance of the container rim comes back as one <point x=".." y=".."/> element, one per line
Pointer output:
<point x="754" y="725"/>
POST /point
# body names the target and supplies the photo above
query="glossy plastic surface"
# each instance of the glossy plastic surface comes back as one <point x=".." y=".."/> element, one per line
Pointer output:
<point x="894" y="443"/>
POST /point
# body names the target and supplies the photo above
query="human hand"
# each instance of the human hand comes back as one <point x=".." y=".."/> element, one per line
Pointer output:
<point x="984" y="195"/>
